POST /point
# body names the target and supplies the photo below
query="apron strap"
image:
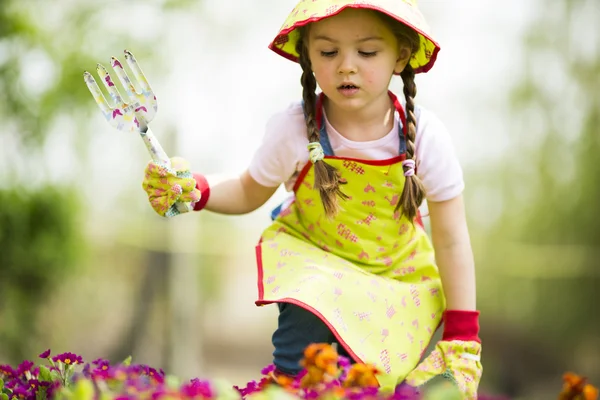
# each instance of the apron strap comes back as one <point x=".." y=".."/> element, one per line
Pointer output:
<point x="324" y="137"/>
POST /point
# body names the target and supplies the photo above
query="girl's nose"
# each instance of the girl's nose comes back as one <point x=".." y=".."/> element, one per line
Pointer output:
<point x="347" y="65"/>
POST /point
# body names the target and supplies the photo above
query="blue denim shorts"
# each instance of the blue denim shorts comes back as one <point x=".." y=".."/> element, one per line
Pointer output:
<point x="297" y="328"/>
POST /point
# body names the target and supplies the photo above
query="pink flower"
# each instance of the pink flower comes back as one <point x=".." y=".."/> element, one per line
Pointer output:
<point x="196" y="387"/>
<point x="68" y="359"/>
<point x="25" y="366"/>
<point x="45" y="354"/>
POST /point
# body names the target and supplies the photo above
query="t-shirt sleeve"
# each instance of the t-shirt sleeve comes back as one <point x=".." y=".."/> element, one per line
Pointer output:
<point x="276" y="159"/>
<point x="437" y="163"/>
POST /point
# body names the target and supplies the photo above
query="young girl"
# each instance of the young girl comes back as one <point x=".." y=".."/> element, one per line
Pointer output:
<point x="348" y="260"/>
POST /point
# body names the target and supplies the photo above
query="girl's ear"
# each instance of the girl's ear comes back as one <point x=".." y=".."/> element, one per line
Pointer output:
<point x="404" y="55"/>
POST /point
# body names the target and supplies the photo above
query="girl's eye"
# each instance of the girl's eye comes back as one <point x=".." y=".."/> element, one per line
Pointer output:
<point x="328" y="53"/>
<point x="367" y="53"/>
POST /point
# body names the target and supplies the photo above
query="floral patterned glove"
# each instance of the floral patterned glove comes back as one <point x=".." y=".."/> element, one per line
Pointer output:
<point x="166" y="186"/>
<point x="455" y="357"/>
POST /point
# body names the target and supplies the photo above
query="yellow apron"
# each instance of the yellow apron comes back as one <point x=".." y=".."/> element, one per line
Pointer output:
<point x="369" y="274"/>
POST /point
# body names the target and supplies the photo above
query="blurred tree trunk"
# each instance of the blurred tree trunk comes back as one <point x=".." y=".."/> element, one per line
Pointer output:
<point x="184" y="339"/>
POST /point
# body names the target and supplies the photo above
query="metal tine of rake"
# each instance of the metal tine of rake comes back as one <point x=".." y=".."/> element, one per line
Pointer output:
<point x="132" y="114"/>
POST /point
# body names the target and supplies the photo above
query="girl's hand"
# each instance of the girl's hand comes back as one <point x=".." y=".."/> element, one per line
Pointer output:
<point x="166" y="186"/>
<point x="455" y="360"/>
<point x="457" y="357"/>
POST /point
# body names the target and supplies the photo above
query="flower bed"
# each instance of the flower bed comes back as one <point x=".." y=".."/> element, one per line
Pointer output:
<point x="326" y="375"/>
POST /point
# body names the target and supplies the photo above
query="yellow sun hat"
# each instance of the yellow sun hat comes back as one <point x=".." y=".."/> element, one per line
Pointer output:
<point x="404" y="11"/>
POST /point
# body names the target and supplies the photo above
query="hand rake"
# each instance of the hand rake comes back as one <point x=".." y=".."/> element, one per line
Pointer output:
<point x="132" y="114"/>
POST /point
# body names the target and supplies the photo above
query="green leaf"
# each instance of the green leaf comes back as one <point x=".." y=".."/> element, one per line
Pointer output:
<point x="3" y="396"/>
<point x="83" y="390"/>
<point x="54" y="375"/>
<point x="172" y="382"/>
<point x="45" y="375"/>
<point x="225" y="390"/>
<point x="442" y="389"/>
<point x="127" y="361"/>
<point x="1" y="384"/>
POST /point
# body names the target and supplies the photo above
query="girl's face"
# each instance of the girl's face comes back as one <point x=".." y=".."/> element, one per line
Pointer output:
<point x="353" y="56"/>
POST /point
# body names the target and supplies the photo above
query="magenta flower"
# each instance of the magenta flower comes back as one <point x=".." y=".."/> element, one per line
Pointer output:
<point x="162" y="393"/>
<point x="12" y="383"/>
<point x="7" y="371"/>
<point x="54" y="386"/>
<point x="68" y="359"/>
<point x="25" y="366"/>
<point x="158" y="377"/>
<point x="196" y="387"/>
<point x="406" y="392"/>
<point x="86" y="371"/>
<point x="99" y="361"/>
<point x="268" y="369"/>
<point x="102" y="365"/>
<point x="22" y="393"/>
<point x="45" y="354"/>
<point x="34" y="384"/>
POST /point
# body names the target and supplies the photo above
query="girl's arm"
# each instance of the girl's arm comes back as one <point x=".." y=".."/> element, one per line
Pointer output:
<point x="453" y="253"/>
<point x="236" y="194"/>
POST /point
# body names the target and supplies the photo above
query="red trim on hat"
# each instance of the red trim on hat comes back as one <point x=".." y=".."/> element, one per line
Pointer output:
<point x="202" y="186"/>
<point x="461" y="325"/>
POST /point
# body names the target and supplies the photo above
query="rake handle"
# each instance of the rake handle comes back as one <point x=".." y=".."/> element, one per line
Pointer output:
<point x="156" y="151"/>
<point x="159" y="155"/>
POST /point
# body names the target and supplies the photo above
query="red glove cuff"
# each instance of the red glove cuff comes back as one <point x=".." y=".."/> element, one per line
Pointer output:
<point x="461" y="325"/>
<point x="202" y="186"/>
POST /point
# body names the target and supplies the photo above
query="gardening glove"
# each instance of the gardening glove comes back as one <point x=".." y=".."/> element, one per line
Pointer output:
<point x="166" y="186"/>
<point x="456" y="357"/>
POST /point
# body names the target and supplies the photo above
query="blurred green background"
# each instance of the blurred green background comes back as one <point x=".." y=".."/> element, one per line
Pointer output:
<point x="86" y="266"/>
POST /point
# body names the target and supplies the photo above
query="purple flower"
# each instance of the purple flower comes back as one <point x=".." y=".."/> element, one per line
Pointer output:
<point x="251" y="387"/>
<point x="268" y="369"/>
<point x="102" y="365"/>
<point x="7" y="371"/>
<point x="311" y="394"/>
<point x="23" y="393"/>
<point x="196" y="387"/>
<point x="12" y="383"/>
<point x="54" y="386"/>
<point x="25" y="366"/>
<point x="45" y="354"/>
<point x="156" y="376"/>
<point x="34" y="384"/>
<point x="364" y="393"/>
<point x="406" y="392"/>
<point x="86" y="371"/>
<point x="68" y="359"/>
<point x="162" y="393"/>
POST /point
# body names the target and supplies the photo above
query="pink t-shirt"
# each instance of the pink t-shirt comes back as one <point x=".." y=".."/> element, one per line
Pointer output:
<point x="283" y="152"/>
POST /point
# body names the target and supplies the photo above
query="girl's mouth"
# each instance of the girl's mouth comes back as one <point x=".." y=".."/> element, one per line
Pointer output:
<point x="348" y="90"/>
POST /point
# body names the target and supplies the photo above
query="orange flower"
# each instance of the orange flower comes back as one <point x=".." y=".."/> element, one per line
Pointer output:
<point x="278" y="378"/>
<point x="362" y="375"/>
<point x="576" y="387"/>
<point x="321" y="364"/>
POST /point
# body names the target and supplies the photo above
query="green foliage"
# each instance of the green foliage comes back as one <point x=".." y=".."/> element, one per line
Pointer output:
<point x="556" y="108"/>
<point x="541" y="257"/>
<point x="40" y="246"/>
<point x="44" y="50"/>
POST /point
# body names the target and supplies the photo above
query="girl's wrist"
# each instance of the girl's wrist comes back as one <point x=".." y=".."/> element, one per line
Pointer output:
<point x="204" y="188"/>
<point x="461" y="325"/>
